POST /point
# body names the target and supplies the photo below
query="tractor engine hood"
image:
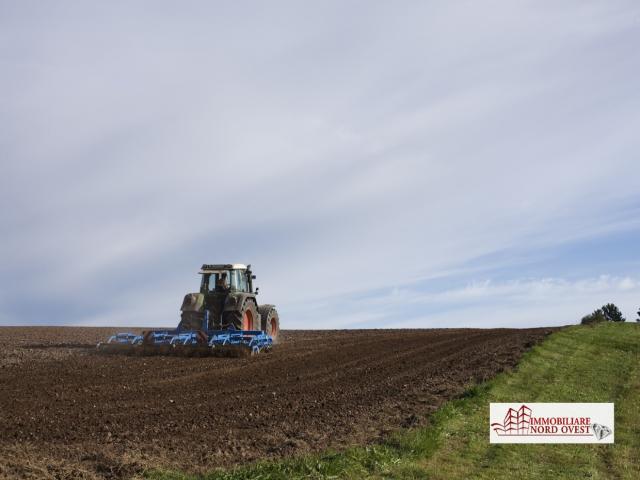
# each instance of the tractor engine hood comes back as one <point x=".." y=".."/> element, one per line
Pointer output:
<point x="193" y="302"/>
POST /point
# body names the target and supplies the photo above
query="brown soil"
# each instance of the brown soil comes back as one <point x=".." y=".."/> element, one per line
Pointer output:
<point x="67" y="412"/>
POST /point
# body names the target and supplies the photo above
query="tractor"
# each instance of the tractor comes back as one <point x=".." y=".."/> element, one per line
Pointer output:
<point x="222" y="318"/>
<point x="228" y="301"/>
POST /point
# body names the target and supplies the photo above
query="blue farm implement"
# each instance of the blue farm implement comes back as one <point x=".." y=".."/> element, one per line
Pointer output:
<point x="189" y="343"/>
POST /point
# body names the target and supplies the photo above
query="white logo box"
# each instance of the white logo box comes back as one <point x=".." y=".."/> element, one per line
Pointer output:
<point x="551" y="422"/>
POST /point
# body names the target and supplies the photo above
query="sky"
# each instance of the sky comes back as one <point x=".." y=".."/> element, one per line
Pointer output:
<point x="380" y="164"/>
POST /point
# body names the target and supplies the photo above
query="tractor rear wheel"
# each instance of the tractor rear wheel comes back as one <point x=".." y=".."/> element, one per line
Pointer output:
<point x="244" y="319"/>
<point x="269" y="320"/>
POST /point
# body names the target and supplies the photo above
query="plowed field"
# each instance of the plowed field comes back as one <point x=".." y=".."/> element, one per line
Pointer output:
<point x="67" y="412"/>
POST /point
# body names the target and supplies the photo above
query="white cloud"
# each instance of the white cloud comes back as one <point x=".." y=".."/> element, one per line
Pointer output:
<point x="515" y="303"/>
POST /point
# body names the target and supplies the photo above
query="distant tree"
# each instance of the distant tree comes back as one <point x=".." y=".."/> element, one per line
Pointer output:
<point x="612" y="313"/>
<point x="596" y="317"/>
<point x="638" y="319"/>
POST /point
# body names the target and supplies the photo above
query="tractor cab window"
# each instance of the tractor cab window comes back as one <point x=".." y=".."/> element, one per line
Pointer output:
<point x="208" y="283"/>
<point x="235" y="280"/>
<point x="211" y="282"/>
<point x="216" y="281"/>
<point x="239" y="281"/>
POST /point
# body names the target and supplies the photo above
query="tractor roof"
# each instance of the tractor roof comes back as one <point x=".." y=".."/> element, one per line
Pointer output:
<point x="223" y="266"/>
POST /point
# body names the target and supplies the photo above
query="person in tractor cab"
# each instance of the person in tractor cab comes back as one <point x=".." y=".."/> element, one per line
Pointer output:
<point x="221" y="284"/>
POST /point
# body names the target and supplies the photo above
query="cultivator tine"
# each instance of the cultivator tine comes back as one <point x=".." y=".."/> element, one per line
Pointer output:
<point x="191" y="350"/>
<point x="232" y="351"/>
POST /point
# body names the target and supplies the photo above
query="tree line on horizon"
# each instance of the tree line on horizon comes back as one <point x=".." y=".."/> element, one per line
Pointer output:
<point x="606" y="313"/>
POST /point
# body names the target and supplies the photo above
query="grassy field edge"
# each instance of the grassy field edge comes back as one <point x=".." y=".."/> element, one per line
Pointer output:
<point x="598" y="363"/>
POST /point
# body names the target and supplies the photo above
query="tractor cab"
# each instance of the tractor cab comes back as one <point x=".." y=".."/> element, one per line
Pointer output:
<point x="226" y="278"/>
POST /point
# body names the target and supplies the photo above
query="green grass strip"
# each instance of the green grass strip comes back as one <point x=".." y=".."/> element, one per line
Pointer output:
<point x="578" y="364"/>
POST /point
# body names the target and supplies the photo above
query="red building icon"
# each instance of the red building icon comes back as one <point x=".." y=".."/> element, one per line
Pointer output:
<point x="516" y="422"/>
